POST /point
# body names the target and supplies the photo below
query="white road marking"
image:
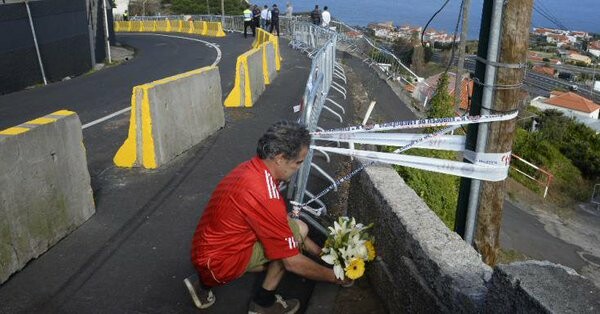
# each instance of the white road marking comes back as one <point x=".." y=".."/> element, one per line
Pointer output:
<point x="87" y="125"/>
<point x="114" y="114"/>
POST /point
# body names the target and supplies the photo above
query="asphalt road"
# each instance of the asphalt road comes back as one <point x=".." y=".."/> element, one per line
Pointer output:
<point x="523" y="232"/>
<point x="103" y="92"/>
<point x="133" y="254"/>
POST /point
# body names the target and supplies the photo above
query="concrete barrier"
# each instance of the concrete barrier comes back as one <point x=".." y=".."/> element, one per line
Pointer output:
<point x="137" y="26"/>
<point x="426" y="268"/>
<point x="148" y="26"/>
<point x="46" y="191"/>
<point x="269" y="65"/>
<point x="214" y="29"/>
<point x="171" y="115"/>
<point x="249" y="80"/>
<point x="198" y="28"/>
<point x="163" y="26"/>
<point x="262" y="37"/>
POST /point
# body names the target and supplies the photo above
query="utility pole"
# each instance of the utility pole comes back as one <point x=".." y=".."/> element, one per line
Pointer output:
<point x="503" y="57"/>
<point x="461" y="55"/>
<point x="223" y="13"/>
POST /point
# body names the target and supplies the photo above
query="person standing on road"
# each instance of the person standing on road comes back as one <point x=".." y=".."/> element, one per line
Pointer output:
<point x="264" y="17"/>
<point x="248" y="22"/>
<point x="245" y="226"/>
<point x="325" y="17"/>
<point x="274" y="19"/>
<point x="315" y="15"/>
<point x="289" y="10"/>
<point x="288" y="14"/>
<point x="256" y="16"/>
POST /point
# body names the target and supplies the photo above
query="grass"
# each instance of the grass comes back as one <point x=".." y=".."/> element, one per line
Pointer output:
<point x="507" y="256"/>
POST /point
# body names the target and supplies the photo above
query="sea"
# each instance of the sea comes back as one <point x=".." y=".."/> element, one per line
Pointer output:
<point x="580" y="15"/>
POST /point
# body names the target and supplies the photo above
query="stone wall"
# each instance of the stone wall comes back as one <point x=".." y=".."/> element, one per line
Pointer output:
<point x="425" y="267"/>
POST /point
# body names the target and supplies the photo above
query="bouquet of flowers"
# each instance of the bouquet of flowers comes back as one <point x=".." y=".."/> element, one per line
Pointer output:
<point x="348" y="247"/>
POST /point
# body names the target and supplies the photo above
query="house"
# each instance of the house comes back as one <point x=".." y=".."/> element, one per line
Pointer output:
<point x="558" y="39"/>
<point x="575" y="57"/>
<point x="570" y="104"/>
<point x="425" y="89"/>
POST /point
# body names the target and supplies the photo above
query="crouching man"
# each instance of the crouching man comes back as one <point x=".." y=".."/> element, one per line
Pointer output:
<point x="245" y="226"/>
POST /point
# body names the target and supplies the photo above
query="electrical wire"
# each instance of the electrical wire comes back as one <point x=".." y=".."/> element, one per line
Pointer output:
<point x="458" y="22"/>
<point x="544" y="12"/>
<point x="431" y="19"/>
<point x="547" y="11"/>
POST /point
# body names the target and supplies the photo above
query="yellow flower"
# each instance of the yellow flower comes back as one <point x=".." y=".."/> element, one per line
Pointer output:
<point x="355" y="269"/>
<point x="370" y="250"/>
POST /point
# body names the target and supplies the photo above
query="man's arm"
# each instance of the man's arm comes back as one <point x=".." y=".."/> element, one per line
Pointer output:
<point x="307" y="268"/>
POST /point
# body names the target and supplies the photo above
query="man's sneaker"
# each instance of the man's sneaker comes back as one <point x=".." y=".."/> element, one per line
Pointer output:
<point x="202" y="298"/>
<point x="280" y="306"/>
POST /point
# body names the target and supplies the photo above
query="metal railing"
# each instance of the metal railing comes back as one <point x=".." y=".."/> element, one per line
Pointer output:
<point x="320" y="45"/>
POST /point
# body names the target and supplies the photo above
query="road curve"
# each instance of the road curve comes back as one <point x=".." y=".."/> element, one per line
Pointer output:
<point x="101" y="93"/>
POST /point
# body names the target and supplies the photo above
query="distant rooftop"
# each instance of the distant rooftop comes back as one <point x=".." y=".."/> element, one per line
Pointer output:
<point x="572" y="101"/>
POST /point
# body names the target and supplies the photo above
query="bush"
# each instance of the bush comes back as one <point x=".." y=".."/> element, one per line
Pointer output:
<point x="567" y="178"/>
<point x="439" y="191"/>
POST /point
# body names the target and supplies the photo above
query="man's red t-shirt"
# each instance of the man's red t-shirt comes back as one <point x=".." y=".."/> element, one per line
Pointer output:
<point x="245" y="207"/>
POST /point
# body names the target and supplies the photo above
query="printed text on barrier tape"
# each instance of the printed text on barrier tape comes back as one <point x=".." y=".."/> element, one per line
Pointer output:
<point x="417" y="124"/>
<point x="443" y="142"/>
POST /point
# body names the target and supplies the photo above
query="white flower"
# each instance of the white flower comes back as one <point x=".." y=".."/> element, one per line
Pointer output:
<point x="361" y="252"/>
<point x="339" y="272"/>
<point x="330" y="258"/>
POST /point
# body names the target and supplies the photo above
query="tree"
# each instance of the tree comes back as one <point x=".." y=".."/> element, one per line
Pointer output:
<point x="232" y="7"/>
<point x="189" y="7"/>
<point x="144" y="7"/>
<point x="403" y="49"/>
<point x="439" y="191"/>
<point x="441" y="104"/>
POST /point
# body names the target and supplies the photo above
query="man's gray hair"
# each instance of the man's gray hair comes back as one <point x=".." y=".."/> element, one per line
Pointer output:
<point x="283" y="137"/>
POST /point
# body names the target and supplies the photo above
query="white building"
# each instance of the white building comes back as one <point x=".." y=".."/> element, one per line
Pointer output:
<point x="570" y="104"/>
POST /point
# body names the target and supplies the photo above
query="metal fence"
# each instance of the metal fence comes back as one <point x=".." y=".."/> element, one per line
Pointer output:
<point x="320" y="44"/>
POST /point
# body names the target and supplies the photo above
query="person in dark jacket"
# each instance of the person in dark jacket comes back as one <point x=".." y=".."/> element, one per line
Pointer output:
<point x="315" y="15"/>
<point x="256" y="16"/>
<point x="274" y="19"/>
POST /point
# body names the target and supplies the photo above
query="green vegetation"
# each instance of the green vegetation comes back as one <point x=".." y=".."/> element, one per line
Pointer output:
<point x="439" y="191"/>
<point x="507" y="256"/>
<point x="232" y="7"/>
<point x="568" y="149"/>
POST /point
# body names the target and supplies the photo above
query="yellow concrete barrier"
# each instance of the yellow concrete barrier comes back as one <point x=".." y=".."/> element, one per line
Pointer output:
<point x="249" y="80"/>
<point x="263" y="36"/>
<point x="137" y="26"/>
<point x="148" y="26"/>
<point x="268" y="56"/>
<point x="171" y="115"/>
<point x="214" y="29"/>
<point x="163" y="26"/>
<point x="199" y="28"/>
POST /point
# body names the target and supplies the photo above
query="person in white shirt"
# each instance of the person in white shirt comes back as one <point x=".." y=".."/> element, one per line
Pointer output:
<point x="325" y="17"/>
<point x="265" y="17"/>
<point x="289" y="9"/>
